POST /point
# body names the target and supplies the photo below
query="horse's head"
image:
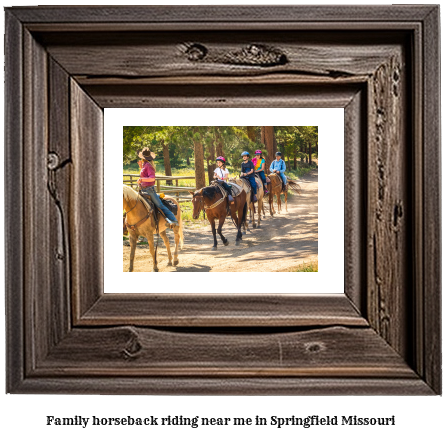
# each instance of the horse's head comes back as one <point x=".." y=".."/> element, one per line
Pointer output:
<point x="197" y="202"/>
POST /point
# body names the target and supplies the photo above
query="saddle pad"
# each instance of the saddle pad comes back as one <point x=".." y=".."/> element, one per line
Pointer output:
<point x="236" y="189"/>
<point x="247" y="184"/>
<point x="258" y="181"/>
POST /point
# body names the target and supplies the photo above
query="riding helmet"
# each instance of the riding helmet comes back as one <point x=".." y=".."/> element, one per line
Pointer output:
<point x="257" y="152"/>
<point x="220" y="159"/>
<point x="278" y="154"/>
<point x="245" y="153"/>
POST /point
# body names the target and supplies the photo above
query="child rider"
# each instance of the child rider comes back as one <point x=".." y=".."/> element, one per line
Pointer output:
<point x="247" y="172"/>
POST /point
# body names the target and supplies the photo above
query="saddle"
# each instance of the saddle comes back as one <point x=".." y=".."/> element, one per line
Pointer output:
<point x="166" y="202"/>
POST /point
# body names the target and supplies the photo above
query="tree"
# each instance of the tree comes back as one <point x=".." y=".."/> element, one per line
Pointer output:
<point x="199" y="158"/>
<point x="267" y="138"/>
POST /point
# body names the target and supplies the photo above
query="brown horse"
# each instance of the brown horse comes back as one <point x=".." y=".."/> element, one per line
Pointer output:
<point x="275" y="188"/>
<point x="140" y="222"/>
<point x="251" y="207"/>
<point x="215" y="205"/>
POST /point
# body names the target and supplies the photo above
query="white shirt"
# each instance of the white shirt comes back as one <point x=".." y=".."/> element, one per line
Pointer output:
<point x="221" y="174"/>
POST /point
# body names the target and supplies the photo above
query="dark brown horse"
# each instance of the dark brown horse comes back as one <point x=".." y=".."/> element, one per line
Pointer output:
<point x="215" y="205"/>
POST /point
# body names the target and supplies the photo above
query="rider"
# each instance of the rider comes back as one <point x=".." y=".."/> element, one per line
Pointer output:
<point x="221" y="174"/>
<point x="146" y="183"/>
<point x="247" y="172"/>
<point x="259" y="163"/>
<point x="279" y="166"/>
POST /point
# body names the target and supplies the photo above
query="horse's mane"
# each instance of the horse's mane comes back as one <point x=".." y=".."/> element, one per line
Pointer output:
<point x="129" y="193"/>
<point x="210" y="192"/>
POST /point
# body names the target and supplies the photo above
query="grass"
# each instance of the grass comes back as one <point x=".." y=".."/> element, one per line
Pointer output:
<point x="305" y="267"/>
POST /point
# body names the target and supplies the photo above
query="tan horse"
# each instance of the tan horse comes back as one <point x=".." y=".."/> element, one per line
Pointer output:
<point x="251" y="207"/>
<point x="140" y="222"/>
<point x="275" y="188"/>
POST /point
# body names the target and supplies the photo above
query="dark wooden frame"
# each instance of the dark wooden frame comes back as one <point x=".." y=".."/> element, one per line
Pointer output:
<point x="64" y="65"/>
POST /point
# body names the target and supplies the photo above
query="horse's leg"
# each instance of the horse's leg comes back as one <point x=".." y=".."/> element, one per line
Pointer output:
<point x="150" y="237"/>
<point x="221" y="221"/>
<point x="168" y="246"/>
<point x="286" y="201"/>
<point x="238" y="222"/>
<point x="213" y="233"/>
<point x="245" y="223"/>
<point x="177" y="242"/>
<point x="260" y="208"/>
<point x="133" y="243"/>
<point x="270" y="198"/>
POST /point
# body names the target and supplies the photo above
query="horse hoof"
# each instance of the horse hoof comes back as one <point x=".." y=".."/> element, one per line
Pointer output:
<point x="169" y="264"/>
<point x="175" y="262"/>
<point x="237" y="242"/>
<point x="155" y="270"/>
<point x="226" y="243"/>
<point x="254" y="226"/>
<point x="258" y="226"/>
<point x="214" y="248"/>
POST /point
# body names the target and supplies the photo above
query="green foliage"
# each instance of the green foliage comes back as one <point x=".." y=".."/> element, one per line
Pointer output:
<point x="235" y="140"/>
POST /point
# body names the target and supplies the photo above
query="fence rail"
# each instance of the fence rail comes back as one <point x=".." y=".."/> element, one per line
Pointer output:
<point x="130" y="179"/>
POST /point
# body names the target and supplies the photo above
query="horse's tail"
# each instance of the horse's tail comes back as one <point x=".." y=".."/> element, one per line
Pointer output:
<point x="294" y="186"/>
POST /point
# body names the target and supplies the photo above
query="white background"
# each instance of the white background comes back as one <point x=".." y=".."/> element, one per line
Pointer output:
<point x="25" y="414"/>
<point x="329" y="279"/>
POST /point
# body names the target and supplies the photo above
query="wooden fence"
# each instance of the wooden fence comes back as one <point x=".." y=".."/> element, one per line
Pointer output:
<point x="131" y="180"/>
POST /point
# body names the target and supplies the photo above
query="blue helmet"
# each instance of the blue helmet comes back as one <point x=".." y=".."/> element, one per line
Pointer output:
<point x="278" y="154"/>
<point x="245" y="153"/>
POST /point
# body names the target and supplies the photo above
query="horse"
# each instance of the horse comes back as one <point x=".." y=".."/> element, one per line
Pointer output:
<point x="260" y="195"/>
<point x="140" y="221"/>
<point x="275" y="188"/>
<point x="215" y="204"/>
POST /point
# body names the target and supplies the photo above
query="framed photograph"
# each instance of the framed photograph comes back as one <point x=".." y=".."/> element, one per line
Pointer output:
<point x="375" y="326"/>
<point x="275" y="239"/>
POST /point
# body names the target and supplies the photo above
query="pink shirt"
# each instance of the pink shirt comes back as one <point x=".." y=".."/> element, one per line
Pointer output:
<point x="147" y="172"/>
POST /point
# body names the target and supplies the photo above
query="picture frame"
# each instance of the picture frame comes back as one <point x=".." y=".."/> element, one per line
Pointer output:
<point x="65" y="64"/>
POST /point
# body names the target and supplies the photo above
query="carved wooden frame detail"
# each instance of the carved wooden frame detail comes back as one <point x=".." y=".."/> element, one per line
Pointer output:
<point x="64" y="65"/>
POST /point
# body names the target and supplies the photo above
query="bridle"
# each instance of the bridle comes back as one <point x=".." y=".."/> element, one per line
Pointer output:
<point x="204" y="207"/>
<point x="133" y="227"/>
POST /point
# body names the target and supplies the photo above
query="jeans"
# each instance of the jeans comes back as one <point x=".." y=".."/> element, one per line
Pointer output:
<point x="158" y="203"/>
<point x="251" y="180"/>
<point x="261" y="174"/>
<point x="282" y="176"/>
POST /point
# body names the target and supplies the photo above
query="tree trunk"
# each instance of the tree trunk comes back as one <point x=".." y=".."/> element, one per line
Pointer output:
<point x="251" y="133"/>
<point x="211" y="161"/>
<point x="310" y="154"/>
<point x="199" y="157"/>
<point x="188" y="162"/>
<point x="274" y="143"/>
<point x="219" y="144"/>
<point x="167" y="162"/>
<point x="295" y="158"/>
<point x="267" y="135"/>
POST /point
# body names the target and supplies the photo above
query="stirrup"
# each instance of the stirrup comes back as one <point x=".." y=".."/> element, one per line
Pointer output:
<point x="230" y="199"/>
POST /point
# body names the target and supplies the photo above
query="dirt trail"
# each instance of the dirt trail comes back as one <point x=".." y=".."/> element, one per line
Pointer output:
<point x="286" y="240"/>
